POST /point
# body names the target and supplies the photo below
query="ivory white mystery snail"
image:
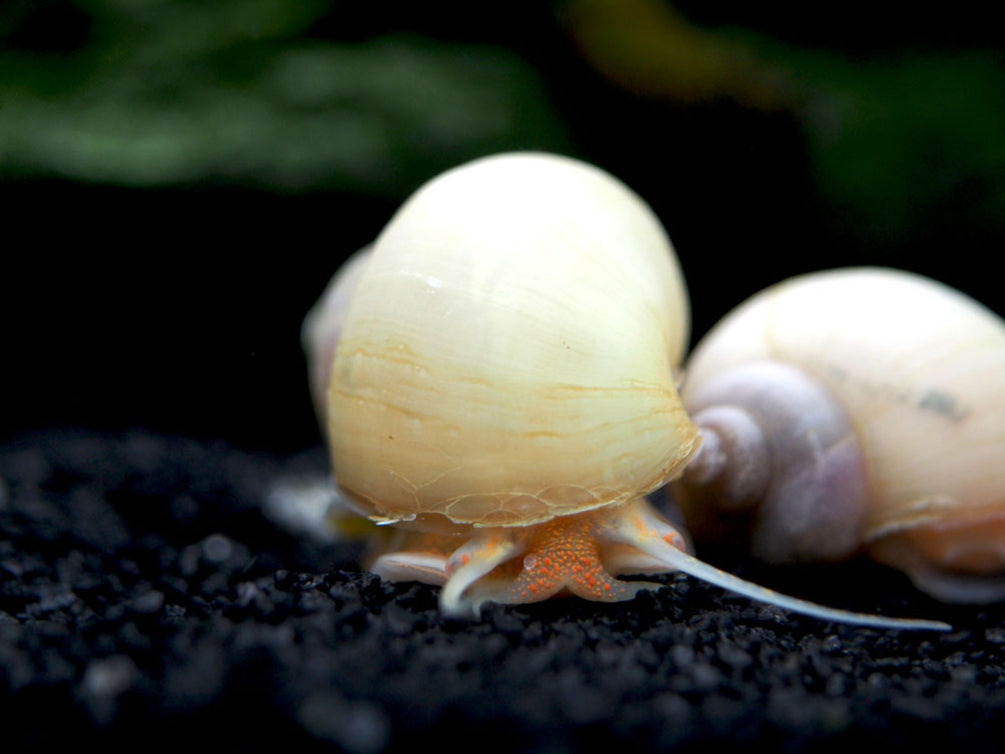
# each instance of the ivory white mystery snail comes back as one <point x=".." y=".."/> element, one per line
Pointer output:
<point x="496" y="380"/>
<point x="849" y="410"/>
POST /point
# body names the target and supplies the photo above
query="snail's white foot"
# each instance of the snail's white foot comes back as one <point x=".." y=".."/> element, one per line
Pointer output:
<point x="953" y="558"/>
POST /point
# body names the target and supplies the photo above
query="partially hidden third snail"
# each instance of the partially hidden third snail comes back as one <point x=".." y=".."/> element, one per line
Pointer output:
<point x="496" y="380"/>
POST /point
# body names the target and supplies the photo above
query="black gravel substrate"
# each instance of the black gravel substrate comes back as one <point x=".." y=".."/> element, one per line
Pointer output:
<point x="148" y="602"/>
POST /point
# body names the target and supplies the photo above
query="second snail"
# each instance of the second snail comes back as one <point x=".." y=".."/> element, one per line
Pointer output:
<point x="496" y="381"/>
<point x="855" y="410"/>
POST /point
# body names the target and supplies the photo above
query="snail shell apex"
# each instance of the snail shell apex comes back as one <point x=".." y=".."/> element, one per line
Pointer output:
<point x="507" y="355"/>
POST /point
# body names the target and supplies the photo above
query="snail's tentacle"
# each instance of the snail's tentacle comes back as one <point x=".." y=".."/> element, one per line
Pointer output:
<point x="642" y="527"/>
<point x="473" y="563"/>
<point x="425" y="567"/>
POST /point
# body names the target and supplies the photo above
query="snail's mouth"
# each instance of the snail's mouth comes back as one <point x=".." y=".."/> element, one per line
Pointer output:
<point x="581" y="554"/>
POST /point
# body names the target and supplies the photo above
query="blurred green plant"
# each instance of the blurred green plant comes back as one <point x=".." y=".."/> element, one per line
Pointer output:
<point x="170" y="92"/>
<point x="183" y="92"/>
<point x="893" y="139"/>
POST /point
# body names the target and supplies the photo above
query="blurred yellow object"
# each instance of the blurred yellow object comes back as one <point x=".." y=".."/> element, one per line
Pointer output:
<point x="649" y="49"/>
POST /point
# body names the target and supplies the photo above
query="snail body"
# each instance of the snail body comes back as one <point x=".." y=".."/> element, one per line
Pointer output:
<point x="850" y="410"/>
<point x="501" y="389"/>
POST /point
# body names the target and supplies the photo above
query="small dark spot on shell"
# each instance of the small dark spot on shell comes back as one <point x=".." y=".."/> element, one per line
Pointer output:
<point x="942" y="404"/>
<point x="837" y="373"/>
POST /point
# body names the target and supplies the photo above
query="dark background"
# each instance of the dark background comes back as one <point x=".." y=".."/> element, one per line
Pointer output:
<point x="179" y="179"/>
<point x="173" y="205"/>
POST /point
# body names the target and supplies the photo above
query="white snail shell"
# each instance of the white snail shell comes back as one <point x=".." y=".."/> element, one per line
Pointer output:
<point x="499" y="373"/>
<point x="322" y="327"/>
<point x="507" y="356"/>
<point x="851" y="409"/>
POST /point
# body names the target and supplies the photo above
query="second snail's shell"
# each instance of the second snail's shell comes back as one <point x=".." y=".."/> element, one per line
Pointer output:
<point x="919" y="371"/>
<point x="507" y="354"/>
